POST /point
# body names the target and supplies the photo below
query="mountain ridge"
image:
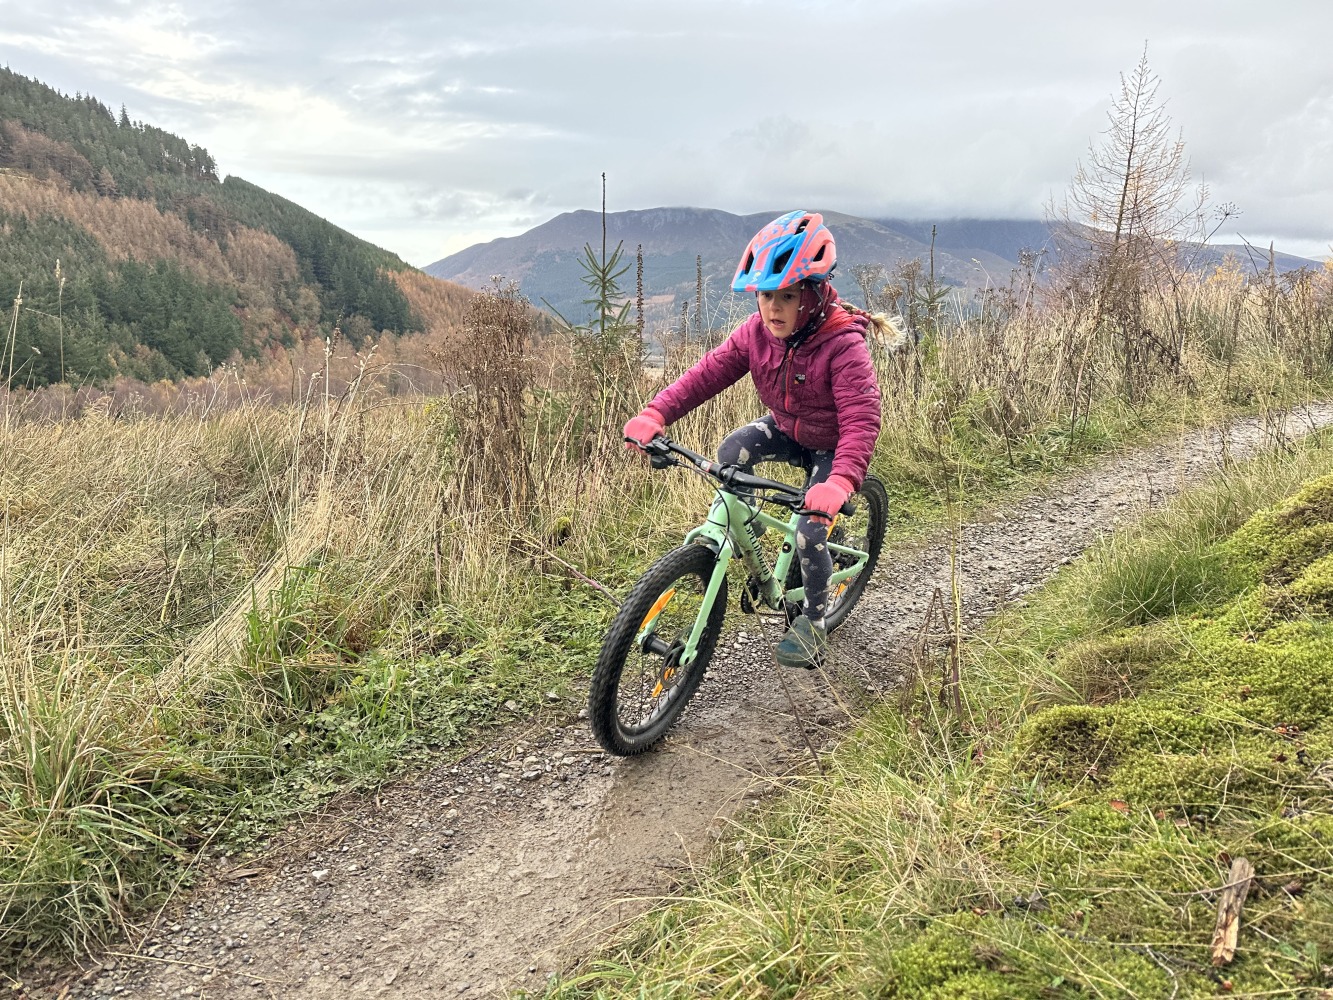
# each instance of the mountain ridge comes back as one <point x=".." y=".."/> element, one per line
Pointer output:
<point x="969" y="253"/>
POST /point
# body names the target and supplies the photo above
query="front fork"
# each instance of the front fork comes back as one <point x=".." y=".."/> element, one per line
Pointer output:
<point x="649" y="641"/>
<point x="715" y="584"/>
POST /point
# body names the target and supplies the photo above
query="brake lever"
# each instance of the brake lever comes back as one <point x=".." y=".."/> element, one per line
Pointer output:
<point x="659" y="457"/>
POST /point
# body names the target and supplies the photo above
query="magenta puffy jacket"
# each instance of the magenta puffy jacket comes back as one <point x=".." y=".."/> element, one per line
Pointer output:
<point x="824" y="393"/>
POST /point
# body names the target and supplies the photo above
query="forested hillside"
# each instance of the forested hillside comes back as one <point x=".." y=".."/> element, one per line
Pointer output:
<point x="122" y="253"/>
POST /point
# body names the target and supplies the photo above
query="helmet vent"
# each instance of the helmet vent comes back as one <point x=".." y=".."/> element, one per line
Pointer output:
<point x="793" y="248"/>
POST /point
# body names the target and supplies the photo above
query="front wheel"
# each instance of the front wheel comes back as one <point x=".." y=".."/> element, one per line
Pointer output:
<point x="862" y="530"/>
<point x="639" y="686"/>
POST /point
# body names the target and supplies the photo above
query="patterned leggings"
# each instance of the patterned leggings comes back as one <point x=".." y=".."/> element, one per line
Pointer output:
<point x="761" y="441"/>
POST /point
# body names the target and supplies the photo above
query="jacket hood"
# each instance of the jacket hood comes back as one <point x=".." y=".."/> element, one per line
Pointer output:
<point x="835" y="319"/>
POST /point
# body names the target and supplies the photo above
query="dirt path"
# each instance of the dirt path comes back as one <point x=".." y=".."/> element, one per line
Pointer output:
<point x="474" y="879"/>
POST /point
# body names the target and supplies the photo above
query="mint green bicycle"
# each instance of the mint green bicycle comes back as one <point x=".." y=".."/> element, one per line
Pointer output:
<point x="660" y="642"/>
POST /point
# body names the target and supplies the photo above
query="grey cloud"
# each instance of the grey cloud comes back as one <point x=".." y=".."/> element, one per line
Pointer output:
<point x="476" y="206"/>
<point x="505" y="113"/>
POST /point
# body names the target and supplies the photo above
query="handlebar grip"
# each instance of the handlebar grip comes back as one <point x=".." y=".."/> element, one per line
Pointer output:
<point x="654" y="445"/>
<point x="848" y="508"/>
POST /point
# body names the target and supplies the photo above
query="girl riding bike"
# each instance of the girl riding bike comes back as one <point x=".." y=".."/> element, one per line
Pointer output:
<point x="806" y="352"/>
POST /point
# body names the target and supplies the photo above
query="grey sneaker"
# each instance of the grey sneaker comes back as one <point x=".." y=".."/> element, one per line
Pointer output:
<point x="804" y="645"/>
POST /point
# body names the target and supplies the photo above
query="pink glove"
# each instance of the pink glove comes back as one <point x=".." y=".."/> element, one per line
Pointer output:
<point x="643" y="428"/>
<point x="828" y="497"/>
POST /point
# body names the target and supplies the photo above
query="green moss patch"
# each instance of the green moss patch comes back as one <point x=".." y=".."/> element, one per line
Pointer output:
<point x="1282" y="541"/>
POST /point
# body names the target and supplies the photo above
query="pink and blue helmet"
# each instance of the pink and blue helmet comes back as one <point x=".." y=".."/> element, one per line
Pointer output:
<point x="792" y="248"/>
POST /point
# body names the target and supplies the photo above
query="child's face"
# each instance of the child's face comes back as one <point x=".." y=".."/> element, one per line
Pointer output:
<point x="780" y="311"/>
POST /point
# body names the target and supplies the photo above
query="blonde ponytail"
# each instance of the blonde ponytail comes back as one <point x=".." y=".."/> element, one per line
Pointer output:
<point x="889" y="333"/>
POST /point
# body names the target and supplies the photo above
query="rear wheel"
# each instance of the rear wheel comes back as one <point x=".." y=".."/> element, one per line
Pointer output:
<point x="639" y="686"/>
<point x="862" y="530"/>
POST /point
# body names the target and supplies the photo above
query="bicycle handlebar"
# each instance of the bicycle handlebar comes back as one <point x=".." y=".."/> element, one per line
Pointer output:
<point x="661" y="450"/>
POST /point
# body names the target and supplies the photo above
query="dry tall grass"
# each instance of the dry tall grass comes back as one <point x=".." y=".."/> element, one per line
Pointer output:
<point x="162" y="577"/>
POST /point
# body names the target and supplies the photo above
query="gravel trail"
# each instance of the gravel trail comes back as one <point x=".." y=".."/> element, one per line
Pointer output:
<point x="475" y="879"/>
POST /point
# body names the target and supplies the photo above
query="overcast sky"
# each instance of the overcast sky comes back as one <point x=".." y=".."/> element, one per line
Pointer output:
<point x="429" y="126"/>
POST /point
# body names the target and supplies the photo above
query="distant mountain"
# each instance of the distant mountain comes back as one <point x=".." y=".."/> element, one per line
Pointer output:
<point x="969" y="253"/>
<point x="545" y="260"/>
<point x="133" y="258"/>
<point x="1005" y="238"/>
<point x="973" y="238"/>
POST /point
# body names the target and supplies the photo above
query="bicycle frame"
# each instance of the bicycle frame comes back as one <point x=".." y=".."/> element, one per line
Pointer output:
<point x="730" y="532"/>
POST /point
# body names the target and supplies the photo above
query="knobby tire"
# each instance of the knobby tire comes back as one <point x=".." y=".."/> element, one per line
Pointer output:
<point x="626" y="716"/>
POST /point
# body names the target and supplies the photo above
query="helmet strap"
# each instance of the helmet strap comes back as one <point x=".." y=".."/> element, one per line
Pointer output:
<point x="818" y="309"/>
